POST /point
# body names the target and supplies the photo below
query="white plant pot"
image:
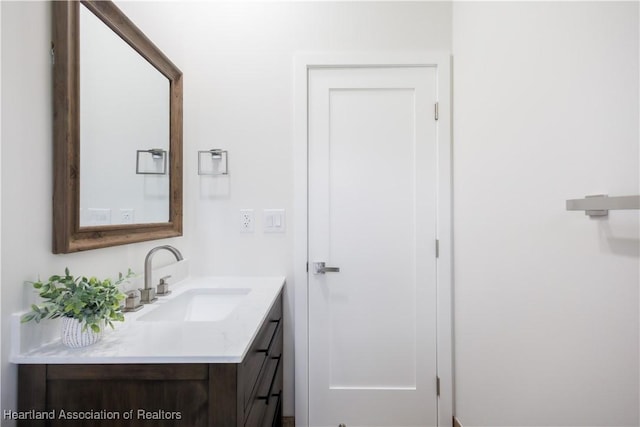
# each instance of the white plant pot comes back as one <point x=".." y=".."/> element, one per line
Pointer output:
<point x="73" y="336"/>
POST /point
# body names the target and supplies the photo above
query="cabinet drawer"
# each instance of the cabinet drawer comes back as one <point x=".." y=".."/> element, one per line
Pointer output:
<point x="265" y="343"/>
<point x="274" y="419"/>
<point x="266" y="399"/>
<point x="273" y="408"/>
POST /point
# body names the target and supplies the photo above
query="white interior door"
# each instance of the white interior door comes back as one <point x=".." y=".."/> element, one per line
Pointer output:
<point x="372" y="214"/>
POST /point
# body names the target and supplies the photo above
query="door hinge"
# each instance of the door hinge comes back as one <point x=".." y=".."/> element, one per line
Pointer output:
<point x="438" y="386"/>
<point x="307" y="267"/>
<point x="53" y="54"/>
<point x="437" y="248"/>
<point x="436" y="113"/>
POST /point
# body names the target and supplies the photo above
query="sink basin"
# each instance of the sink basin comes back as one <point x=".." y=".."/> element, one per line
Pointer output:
<point x="197" y="305"/>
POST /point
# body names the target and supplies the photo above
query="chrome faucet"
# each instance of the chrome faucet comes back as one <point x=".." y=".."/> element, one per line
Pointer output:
<point x="148" y="294"/>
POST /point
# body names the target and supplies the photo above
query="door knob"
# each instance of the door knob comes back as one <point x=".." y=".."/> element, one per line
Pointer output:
<point x="319" y="268"/>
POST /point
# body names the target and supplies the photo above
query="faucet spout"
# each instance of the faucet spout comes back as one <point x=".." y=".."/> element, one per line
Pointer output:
<point x="149" y="258"/>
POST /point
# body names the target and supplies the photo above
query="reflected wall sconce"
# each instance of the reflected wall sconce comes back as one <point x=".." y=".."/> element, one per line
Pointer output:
<point x="151" y="162"/>
<point x="213" y="162"/>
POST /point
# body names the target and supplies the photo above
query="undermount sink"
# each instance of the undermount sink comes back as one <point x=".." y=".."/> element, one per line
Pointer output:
<point x="197" y="305"/>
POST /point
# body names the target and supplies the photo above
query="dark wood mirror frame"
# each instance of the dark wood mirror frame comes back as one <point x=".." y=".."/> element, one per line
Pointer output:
<point x="68" y="236"/>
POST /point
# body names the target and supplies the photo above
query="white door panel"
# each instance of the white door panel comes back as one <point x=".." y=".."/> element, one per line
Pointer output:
<point x="372" y="213"/>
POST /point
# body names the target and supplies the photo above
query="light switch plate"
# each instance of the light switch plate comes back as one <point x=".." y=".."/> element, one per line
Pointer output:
<point x="98" y="216"/>
<point x="274" y="220"/>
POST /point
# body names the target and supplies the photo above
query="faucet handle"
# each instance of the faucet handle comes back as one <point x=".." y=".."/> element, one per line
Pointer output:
<point x="132" y="301"/>
<point x="148" y="296"/>
<point x="163" y="287"/>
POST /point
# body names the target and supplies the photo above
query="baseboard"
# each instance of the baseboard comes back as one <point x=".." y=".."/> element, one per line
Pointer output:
<point x="456" y="422"/>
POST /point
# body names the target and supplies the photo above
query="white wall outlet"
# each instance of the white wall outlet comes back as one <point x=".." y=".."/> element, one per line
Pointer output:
<point x="247" y="221"/>
<point x="274" y="220"/>
<point x="126" y="216"/>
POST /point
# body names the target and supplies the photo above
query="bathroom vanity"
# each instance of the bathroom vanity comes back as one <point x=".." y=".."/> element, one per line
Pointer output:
<point x="158" y="372"/>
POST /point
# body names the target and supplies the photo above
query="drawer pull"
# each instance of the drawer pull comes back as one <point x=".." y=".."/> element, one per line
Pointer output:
<point x="268" y="349"/>
<point x="273" y="381"/>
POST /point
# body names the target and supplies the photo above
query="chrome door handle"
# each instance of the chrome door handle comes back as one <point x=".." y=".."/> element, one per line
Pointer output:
<point x="319" y="268"/>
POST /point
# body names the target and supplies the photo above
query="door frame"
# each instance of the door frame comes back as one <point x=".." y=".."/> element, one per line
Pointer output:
<point x="303" y="62"/>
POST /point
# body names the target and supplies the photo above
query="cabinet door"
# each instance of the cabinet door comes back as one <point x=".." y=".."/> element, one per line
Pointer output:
<point x="165" y="394"/>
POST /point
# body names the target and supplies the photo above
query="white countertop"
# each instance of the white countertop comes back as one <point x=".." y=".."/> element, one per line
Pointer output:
<point x="132" y="341"/>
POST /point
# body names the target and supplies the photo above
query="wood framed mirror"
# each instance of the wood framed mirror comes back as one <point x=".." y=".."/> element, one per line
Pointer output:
<point x="72" y="173"/>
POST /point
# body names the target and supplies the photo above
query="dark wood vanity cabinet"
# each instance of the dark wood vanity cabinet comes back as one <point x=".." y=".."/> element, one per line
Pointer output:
<point x="247" y="394"/>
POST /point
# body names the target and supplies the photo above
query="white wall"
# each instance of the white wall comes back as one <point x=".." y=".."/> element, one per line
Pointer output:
<point x="546" y="301"/>
<point x="237" y="60"/>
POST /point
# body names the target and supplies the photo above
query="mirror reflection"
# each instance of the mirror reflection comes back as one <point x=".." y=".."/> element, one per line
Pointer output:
<point x="124" y="131"/>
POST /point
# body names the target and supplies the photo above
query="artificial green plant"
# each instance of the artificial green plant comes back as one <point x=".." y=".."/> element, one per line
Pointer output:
<point x="91" y="301"/>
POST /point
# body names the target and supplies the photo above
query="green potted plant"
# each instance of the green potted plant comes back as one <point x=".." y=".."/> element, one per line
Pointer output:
<point x="86" y="305"/>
